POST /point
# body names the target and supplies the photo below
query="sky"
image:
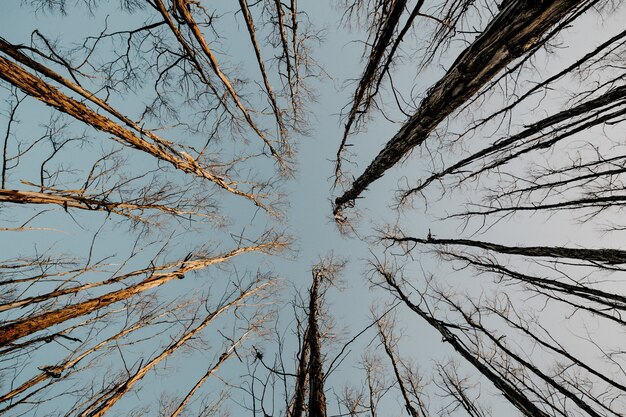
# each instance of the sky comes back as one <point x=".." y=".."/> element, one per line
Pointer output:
<point x="309" y="193"/>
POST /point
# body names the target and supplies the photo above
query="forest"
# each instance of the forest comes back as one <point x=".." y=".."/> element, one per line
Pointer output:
<point x="301" y="208"/>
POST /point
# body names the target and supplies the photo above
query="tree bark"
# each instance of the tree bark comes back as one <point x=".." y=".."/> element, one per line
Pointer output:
<point x="317" y="399"/>
<point x="518" y="27"/>
<point x="607" y="256"/>
<point x="24" y="327"/>
<point x="101" y="405"/>
<point x="39" y="89"/>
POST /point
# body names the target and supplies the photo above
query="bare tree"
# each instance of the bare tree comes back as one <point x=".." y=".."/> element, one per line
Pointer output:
<point x="516" y="30"/>
<point x="137" y="137"/>
<point x="139" y="160"/>
<point x="297" y="375"/>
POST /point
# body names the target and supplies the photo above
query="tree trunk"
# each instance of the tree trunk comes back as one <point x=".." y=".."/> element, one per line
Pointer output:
<point x="516" y="29"/>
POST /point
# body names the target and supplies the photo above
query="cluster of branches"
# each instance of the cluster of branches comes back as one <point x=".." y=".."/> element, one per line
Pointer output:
<point x="511" y="342"/>
<point x="544" y="332"/>
<point x="76" y="328"/>
<point x="282" y="381"/>
<point x="517" y="31"/>
<point x="145" y="123"/>
<point x="303" y="388"/>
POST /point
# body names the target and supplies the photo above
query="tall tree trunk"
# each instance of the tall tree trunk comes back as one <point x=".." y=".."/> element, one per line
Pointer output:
<point x="608" y="256"/>
<point x="101" y="405"/>
<point x="317" y="399"/>
<point x="24" y="327"/>
<point x="297" y="405"/>
<point x="39" y="89"/>
<point x="517" y="28"/>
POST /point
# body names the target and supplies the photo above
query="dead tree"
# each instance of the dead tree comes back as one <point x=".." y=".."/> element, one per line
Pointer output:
<point x="508" y="306"/>
<point x="99" y="406"/>
<point x="517" y="29"/>
<point x="297" y="374"/>
<point x="502" y="328"/>
<point x="137" y="136"/>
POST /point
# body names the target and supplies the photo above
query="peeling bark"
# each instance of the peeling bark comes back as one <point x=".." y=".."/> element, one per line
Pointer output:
<point x="68" y="199"/>
<point x="51" y="371"/>
<point x="14" y="52"/>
